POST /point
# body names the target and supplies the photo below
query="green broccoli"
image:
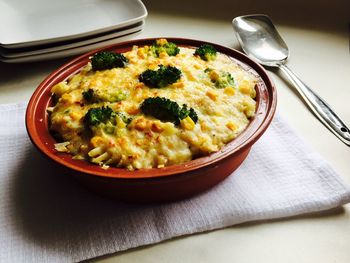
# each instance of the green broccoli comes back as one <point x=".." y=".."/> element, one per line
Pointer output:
<point x="95" y="116"/>
<point x="170" y="48"/>
<point x="225" y="80"/>
<point x="124" y="118"/>
<point x="116" y="96"/>
<point x="88" y="95"/>
<point x="167" y="110"/>
<point x="107" y="60"/>
<point x="220" y="79"/>
<point x="109" y="96"/>
<point x="184" y="112"/>
<point x="206" y="52"/>
<point x="162" y="77"/>
<point x="104" y="118"/>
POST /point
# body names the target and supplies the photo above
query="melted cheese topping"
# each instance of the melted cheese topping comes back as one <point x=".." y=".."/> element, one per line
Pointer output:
<point x="146" y="142"/>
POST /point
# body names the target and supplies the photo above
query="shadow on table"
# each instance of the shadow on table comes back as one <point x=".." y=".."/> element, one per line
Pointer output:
<point x="12" y="72"/>
<point x="53" y="210"/>
<point x="314" y="14"/>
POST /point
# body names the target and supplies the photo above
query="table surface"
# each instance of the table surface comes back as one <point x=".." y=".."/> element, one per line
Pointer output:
<point x="318" y="39"/>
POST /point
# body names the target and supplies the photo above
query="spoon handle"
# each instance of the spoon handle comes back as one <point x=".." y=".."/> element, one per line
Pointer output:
<point x="319" y="107"/>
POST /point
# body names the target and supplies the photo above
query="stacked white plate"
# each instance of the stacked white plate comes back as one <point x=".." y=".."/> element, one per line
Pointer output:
<point x="35" y="30"/>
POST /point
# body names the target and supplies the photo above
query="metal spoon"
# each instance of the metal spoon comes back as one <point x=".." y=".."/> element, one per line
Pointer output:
<point x="260" y="40"/>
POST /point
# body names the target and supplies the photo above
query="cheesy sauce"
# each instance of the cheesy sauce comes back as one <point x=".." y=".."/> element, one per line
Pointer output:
<point x="144" y="141"/>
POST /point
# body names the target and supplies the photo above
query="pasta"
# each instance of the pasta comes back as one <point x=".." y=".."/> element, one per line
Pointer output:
<point x="102" y="115"/>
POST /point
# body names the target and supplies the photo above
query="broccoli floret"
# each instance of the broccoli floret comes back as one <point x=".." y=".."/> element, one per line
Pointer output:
<point x="88" y="95"/>
<point x="117" y="96"/>
<point x="125" y="118"/>
<point x="162" y="77"/>
<point x="170" y="48"/>
<point x="112" y="95"/>
<point x="95" y="116"/>
<point x="109" y="96"/>
<point x="224" y="81"/>
<point x="167" y="110"/>
<point x="220" y="79"/>
<point x="107" y="60"/>
<point x="104" y="118"/>
<point x="206" y="52"/>
<point x="184" y="112"/>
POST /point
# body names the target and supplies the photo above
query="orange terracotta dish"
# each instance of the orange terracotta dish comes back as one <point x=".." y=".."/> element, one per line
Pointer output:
<point x="165" y="119"/>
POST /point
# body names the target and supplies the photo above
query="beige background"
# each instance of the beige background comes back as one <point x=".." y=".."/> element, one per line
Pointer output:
<point x="317" y="33"/>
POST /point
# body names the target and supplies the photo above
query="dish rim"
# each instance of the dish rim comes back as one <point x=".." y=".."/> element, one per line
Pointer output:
<point x="36" y="117"/>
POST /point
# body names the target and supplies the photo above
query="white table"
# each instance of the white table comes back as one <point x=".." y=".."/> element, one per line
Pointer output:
<point x="318" y="38"/>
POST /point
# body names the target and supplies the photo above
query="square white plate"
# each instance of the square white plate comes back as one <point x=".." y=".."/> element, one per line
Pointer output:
<point x="23" y="52"/>
<point x="34" y="22"/>
<point x="69" y="52"/>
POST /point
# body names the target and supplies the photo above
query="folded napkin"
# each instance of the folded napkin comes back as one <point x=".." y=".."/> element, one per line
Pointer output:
<point x="45" y="216"/>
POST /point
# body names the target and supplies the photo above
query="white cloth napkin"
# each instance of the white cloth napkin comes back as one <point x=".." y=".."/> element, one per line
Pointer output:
<point x="45" y="216"/>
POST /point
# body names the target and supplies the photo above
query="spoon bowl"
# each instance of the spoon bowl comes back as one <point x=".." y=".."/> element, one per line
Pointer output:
<point x="265" y="43"/>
